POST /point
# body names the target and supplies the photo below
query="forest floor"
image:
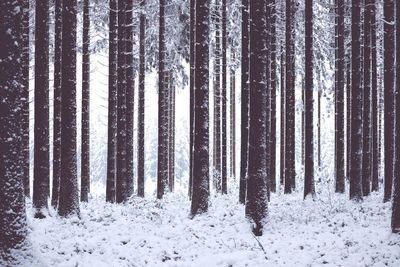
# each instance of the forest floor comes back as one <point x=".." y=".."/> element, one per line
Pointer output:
<point x="330" y="231"/>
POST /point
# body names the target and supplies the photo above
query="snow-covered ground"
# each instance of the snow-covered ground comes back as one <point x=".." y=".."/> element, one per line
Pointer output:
<point x="331" y="231"/>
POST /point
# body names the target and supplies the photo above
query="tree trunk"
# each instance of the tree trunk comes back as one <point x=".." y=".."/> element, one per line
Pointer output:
<point x="348" y="119"/>
<point x="13" y="228"/>
<point x="244" y="143"/>
<point x="283" y="117"/>
<point x="273" y="98"/>
<point x="69" y="197"/>
<point x="389" y="48"/>
<point x="268" y="92"/>
<point x="171" y="134"/>
<point x="41" y="168"/>
<point x="233" y="117"/>
<point x="309" y="188"/>
<point x="85" y="157"/>
<point x="339" y="101"/>
<point x="162" y="173"/>
<point x="191" y="88"/>
<point x="25" y="97"/>
<point x="356" y="106"/>
<point x="396" y="181"/>
<point x="224" y="98"/>
<point x="141" y="103"/>
<point x="112" y="103"/>
<point x="374" y="99"/>
<point x="130" y="94"/>
<point x="257" y="202"/>
<point x="290" y="100"/>
<point x="201" y="177"/>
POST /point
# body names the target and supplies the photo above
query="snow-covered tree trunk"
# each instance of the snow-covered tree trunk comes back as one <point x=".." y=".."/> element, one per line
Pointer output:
<point x="57" y="105"/>
<point x="41" y="167"/>
<point x="112" y="102"/>
<point x="232" y="142"/>
<point x="13" y="228"/>
<point x="339" y="100"/>
<point x="244" y="143"/>
<point x="389" y="48"/>
<point x="309" y="188"/>
<point x="224" y="98"/>
<point x="85" y="155"/>
<point x="69" y="196"/>
<point x="257" y="202"/>
<point x="201" y="177"/>
<point x="171" y="135"/>
<point x="356" y="105"/>
<point x="283" y="117"/>
<point x="141" y="103"/>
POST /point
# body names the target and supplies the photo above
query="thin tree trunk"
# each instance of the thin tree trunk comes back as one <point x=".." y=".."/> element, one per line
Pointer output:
<point x="389" y="48"/>
<point x="283" y="117"/>
<point x="112" y="103"/>
<point x="224" y="99"/>
<point x="339" y="99"/>
<point x="41" y="167"/>
<point x="201" y="177"/>
<point x="171" y="136"/>
<point x="69" y="196"/>
<point x="348" y="119"/>
<point x="141" y="103"/>
<point x="309" y="188"/>
<point x="356" y="106"/>
<point x="13" y="227"/>
<point x="233" y="118"/>
<point x="268" y="93"/>
<point x="85" y="157"/>
<point x="257" y="202"/>
<point x="244" y="102"/>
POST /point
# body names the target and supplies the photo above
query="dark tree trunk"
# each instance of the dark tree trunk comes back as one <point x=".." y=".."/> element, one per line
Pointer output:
<point x="69" y="196"/>
<point x="290" y="100"/>
<point x="244" y="143"/>
<point x="191" y="88"/>
<point x="41" y="168"/>
<point x="141" y="99"/>
<point x="257" y="202"/>
<point x="283" y="118"/>
<point x="201" y="177"/>
<point x="162" y="173"/>
<point x="121" y="163"/>
<point x="339" y="101"/>
<point x="232" y="78"/>
<point x="389" y="49"/>
<point x="217" y="101"/>
<point x="130" y="94"/>
<point x="367" y="138"/>
<point x="356" y="105"/>
<point x="13" y="228"/>
<point x="57" y="105"/>
<point x="25" y="96"/>
<point x="309" y="188"/>
<point x="224" y="99"/>
<point x="396" y="181"/>
<point x="112" y="102"/>
<point x="85" y="157"/>
<point x="374" y="99"/>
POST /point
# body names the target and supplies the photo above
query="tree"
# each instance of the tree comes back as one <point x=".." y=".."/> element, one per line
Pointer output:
<point x="244" y="144"/>
<point x="217" y="101"/>
<point x="223" y="100"/>
<point x="356" y="105"/>
<point x="25" y="96"/>
<point x="13" y="227"/>
<point x="309" y="188"/>
<point x="396" y="181"/>
<point x="201" y="177"/>
<point x="232" y="81"/>
<point x="388" y="80"/>
<point x="257" y="202"/>
<point x="112" y="102"/>
<point x="171" y="134"/>
<point x="141" y="100"/>
<point x="85" y="158"/>
<point x="162" y="172"/>
<point x="273" y="78"/>
<point x="57" y="105"/>
<point x="130" y="94"/>
<point x="69" y="199"/>
<point x="41" y="167"/>
<point x="367" y="138"/>
<point x="191" y="88"/>
<point x="290" y="100"/>
<point x="283" y="117"/>
<point x="339" y="100"/>
<point x="121" y="176"/>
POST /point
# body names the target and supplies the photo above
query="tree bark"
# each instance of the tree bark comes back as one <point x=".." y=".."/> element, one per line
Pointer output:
<point x="224" y="99"/>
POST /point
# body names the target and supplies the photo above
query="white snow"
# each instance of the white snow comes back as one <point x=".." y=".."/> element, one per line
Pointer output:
<point x="330" y="231"/>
